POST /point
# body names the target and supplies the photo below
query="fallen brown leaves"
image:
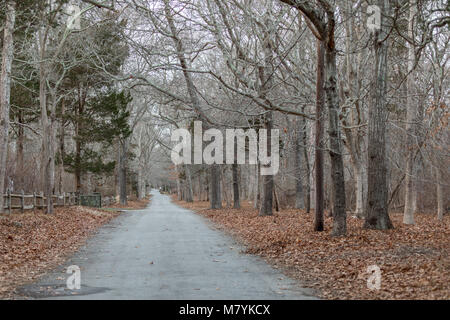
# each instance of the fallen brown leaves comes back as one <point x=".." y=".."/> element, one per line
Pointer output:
<point x="132" y="204"/>
<point x="414" y="260"/>
<point x="32" y="243"/>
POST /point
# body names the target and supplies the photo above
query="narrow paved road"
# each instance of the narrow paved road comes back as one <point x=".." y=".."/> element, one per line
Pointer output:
<point x="166" y="252"/>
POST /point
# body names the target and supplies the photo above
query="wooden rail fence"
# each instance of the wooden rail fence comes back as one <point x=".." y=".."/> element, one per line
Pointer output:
<point x="37" y="201"/>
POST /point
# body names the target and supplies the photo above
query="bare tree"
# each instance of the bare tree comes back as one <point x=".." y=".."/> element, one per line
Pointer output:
<point x="5" y="90"/>
<point x="377" y="216"/>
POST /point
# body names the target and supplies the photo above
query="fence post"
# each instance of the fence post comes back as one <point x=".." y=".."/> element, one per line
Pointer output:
<point x="34" y="202"/>
<point x="64" y="199"/>
<point x="22" y="202"/>
<point x="9" y="201"/>
<point x="42" y="200"/>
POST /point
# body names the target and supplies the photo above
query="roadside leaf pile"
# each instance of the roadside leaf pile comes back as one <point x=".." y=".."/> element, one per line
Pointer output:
<point x="31" y="243"/>
<point x="414" y="260"/>
<point x="132" y="204"/>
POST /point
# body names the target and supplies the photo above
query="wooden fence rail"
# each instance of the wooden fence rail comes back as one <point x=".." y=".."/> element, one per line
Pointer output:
<point x="37" y="201"/>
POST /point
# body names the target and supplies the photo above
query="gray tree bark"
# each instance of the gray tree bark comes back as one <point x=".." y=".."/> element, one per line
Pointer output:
<point x="215" y="196"/>
<point x="299" y="195"/>
<point x="411" y="132"/>
<point x="377" y="216"/>
<point x="441" y="198"/>
<point x="337" y="163"/>
<point x="318" y="154"/>
<point x="265" y="74"/>
<point x="5" y="90"/>
<point x="123" y="150"/>
<point x="19" y="153"/>
<point x="267" y="180"/>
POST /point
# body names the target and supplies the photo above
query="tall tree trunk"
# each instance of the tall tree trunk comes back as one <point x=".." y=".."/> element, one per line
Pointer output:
<point x="61" y="148"/>
<point x="308" y="171"/>
<point x="5" y="91"/>
<point x="215" y="196"/>
<point x="377" y="216"/>
<point x="267" y="180"/>
<point x="266" y="78"/>
<point x="19" y="153"/>
<point x="440" y="197"/>
<point x="78" y="147"/>
<point x="337" y="163"/>
<point x="123" y="172"/>
<point x="318" y="155"/>
<point x="46" y="158"/>
<point x="299" y="196"/>
<point x="411" y="118"/>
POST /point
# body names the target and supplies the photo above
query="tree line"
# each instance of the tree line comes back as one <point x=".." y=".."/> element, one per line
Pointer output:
<point x="361" y="108"/>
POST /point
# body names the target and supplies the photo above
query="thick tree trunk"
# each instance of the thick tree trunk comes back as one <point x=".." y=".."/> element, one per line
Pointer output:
<point x="267" y="180"/>
<point x="377" y="216"/>
<point x="215" y="196"/>
<point x="318" y="155"/>
<point x="5" y="91"/>
<point x="337" y="163"/>
<point x="411" y="118"/>
<point x="265" y="75"/>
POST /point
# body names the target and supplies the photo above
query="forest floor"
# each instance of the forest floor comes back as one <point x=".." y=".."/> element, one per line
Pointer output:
<point x="33" y="243"/>
<point x="133" y="204"/>
<point x="414" y="260"/>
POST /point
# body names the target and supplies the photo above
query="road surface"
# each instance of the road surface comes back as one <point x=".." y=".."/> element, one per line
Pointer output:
<point x="165" y="252"/>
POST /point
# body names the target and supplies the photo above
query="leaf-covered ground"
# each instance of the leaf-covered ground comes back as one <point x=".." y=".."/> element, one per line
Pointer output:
<point x="132" y="204"/>
<point x="32" y="243"/>
<point x="414" y="260"/>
